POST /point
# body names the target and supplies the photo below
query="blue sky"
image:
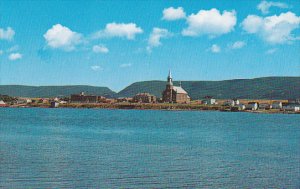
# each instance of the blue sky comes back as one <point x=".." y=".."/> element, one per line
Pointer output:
<point x="116" y="43"/>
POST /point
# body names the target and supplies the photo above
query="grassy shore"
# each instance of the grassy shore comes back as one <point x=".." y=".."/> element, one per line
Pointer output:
<point x="157" y="106"/>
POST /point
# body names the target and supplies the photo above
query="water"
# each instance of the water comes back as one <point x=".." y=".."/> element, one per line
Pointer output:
<point x="89" y="148"/>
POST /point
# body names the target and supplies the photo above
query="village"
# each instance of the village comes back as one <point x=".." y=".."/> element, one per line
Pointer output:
<point x="173" y="98"/>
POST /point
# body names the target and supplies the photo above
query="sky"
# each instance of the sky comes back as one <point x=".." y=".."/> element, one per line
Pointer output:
<point x="116" y="43"/>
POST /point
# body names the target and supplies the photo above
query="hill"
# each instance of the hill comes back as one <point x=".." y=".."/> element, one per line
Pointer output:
<point x="52" y="91"/>
<point x="258" y="88"/>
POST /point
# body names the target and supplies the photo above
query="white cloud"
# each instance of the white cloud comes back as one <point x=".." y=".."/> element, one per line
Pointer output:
<point x="14" y="56"/>
<point x="172" y="13"/>
<point x="238" y="45"/>
<point x="215" y="48"/>
<point x="1" y="52"/>
<point x="125" y="65"/>
<point x="156" y="35"/>
<point x="264" y="6"/>
<point x="62" y="37"/>
<point x="273" y="29"/>
<point x="129" y="30"/>
<point x="210" y="22"/>
<point x="271" y="51"/>
<point x="7" y="34"/>
<point x="100" y="49"/>
<point x="96" y="68"/>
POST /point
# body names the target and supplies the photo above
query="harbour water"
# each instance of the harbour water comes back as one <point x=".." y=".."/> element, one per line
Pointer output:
<point x="97" y="148"/>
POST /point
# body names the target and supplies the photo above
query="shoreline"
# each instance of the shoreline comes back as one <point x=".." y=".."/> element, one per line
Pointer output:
<point x="159" y="106"/>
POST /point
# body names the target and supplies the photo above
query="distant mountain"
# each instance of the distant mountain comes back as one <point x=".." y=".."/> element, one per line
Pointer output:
<point x="258" y="88"/>
<point x="52" y="91"/>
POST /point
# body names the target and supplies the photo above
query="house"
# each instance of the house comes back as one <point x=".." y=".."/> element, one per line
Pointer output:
<point x="294" y="101"/>
<point x="24" y="100"/>
<point x="264" y="106"/>
<point x="54" y="104"/>
<point x="232" y="102"/>
<point x="83" y="98"/>
<point x="2" y="103"/>
<point x="209" y="101"/>
<point x="144" y="98"/>
<point x="45" y="101"/>
<point x="291" y="107"/>
<point x="252" y="106"/>
<point x="101" y="99"/>
<point x="241" y="107"/>
<point x="174" y="94"/>
<point x="277" y="105"/>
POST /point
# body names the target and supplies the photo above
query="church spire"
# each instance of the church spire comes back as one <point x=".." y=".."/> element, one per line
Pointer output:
<point x="170" y="80"/>
<point x="170" y="74"/>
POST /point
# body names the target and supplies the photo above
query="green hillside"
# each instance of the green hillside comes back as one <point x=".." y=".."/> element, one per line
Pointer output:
<point x="258" y="88"/>
<point x="52" y="91"/>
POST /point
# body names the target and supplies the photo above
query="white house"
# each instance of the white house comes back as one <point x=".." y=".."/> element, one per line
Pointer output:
<point x="63" y="102"/>
<point x="241" y="106"/>
<point x="291" y="107"/>
<point x="24" y="100"/>
<point x="252" y="106"/>
<point x="294" y="101"/>
<point x="2" y="103"/>
<point x="232" y="102"/>
<point x="209" y="101"/>
<point x="264" y="106"/>
<point x="277" y="105"/>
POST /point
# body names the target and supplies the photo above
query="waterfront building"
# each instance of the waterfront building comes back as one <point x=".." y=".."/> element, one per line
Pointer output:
<point x="83" y="98"/>
<point x="252" y="106"/>
<point x="264" y="106"/>
<point x="241" y="107"/>
<point x="209" y="100"/>
<point x="277" y="105"/>
<point x="294" y="101"/>
<point x="54" y="104"/>
<point x="24" y="100"/>
<point x="144" y="98"/>
<point x="2" y="103"/>
<point x="232" y="102"/>
<point x="102" y="99"/>
<point x="175" y="94"/>
<point x="291" y="107"/>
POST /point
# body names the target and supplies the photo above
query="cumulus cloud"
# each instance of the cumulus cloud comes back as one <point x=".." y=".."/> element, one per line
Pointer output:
<point x="215" y="48"/>
<point x="210" y="22"/>
<point x="238" y="45"/>
<point x="129" y="31"/>
<point x="156" y="35"/>
<point x="61" y="37"/>
<point x="96" y="68"/>
<point x="100" y="49"/>
<point x="7" y="34"/>
<point x="273" y="29"/>
<point x="14" y="56"/>
<point x="172" y="13"/>
<point x="264" y="6"/>
<point x="125" y="65"/>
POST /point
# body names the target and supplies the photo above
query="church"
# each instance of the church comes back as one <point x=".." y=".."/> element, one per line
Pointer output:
<point x="174" y="94"/>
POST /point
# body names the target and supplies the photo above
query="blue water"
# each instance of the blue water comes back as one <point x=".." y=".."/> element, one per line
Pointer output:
<point x="91" y="148"/>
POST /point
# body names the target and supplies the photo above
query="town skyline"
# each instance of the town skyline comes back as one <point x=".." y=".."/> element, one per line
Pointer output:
<point x="65" y="43"/>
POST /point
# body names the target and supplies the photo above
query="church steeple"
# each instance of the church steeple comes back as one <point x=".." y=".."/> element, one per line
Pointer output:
<point x="170" y="80"/>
